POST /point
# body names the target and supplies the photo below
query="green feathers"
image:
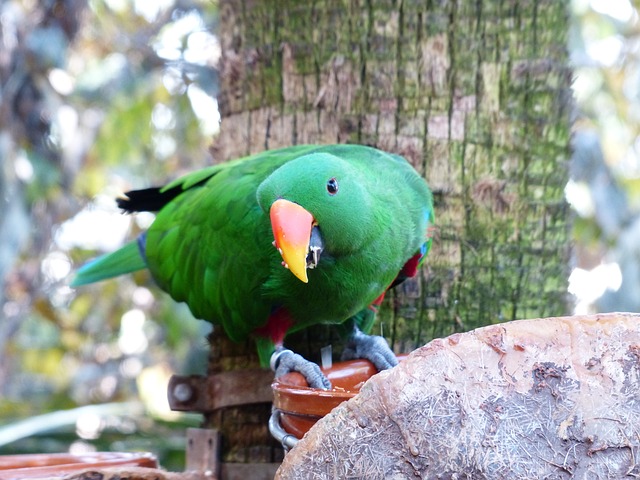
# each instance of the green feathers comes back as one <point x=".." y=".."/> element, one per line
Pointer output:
<point x="125" y="260"/>
<point x="211" y="244"/>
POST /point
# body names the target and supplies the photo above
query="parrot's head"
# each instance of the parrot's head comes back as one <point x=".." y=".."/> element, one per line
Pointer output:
<point x="317" y="203"/>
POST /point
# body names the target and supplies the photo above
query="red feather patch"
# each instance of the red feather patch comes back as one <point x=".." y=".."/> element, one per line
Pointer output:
<point x="410" y="268"/>
<point x="276" y="327"/>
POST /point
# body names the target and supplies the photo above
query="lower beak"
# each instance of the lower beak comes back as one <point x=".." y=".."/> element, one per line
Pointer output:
<point x="292" y="226"/>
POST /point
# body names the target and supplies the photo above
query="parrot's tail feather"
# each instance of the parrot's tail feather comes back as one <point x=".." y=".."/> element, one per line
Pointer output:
<point x="125" y="260"/>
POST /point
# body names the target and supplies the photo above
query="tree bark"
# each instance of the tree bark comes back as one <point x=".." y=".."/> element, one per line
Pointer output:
<point x="474" y="94"/>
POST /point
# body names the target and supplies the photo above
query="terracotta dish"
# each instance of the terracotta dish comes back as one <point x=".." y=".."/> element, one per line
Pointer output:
<point x="301" y="407"/>
<point x="58" y="464"/>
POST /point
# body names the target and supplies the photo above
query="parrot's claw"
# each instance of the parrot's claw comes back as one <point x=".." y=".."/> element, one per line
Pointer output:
<point x="284" y="361"/>
<point x="370" y="347"/>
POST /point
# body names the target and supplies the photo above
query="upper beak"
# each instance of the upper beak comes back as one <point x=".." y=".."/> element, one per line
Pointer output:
<point x="292" y="226"/>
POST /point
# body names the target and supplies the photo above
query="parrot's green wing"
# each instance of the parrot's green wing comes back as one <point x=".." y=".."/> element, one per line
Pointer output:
<point x="210" y="245"/>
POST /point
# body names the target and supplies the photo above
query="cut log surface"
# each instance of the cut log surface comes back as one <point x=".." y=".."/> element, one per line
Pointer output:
<point x="547" y="398"/>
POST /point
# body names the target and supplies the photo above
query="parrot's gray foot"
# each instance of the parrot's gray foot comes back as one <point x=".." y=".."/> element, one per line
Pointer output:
<point x="370" y="347"/>
<point x="284" y="361"/>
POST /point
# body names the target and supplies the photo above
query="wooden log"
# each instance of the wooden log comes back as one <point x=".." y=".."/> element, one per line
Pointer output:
<point x="545" y="398"/>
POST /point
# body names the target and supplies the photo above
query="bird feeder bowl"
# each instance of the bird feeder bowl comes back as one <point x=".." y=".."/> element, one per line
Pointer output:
<point x="56" y="465"/>
<point x="297" y="407"/>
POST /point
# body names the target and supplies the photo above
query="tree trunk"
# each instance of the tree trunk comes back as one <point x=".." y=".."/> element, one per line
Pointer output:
<point x="474" y="94"/>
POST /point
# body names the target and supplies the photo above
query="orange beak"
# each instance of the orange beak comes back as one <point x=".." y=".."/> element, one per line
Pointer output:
<point x="292" y="227"/>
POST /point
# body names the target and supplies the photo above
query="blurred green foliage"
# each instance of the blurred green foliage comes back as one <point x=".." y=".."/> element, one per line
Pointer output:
<point x="114" y="95"/>
<point x="605" y="173"/>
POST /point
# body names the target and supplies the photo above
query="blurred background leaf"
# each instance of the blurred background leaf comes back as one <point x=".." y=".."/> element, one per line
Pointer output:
<point x="605" y="171"/>
<point x="100" y="97"/>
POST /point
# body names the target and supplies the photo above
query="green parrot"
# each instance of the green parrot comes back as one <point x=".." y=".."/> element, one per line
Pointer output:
<point x="281" y="240"/>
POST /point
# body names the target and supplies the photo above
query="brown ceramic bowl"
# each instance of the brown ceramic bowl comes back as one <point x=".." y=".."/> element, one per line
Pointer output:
<point x="59" y="464"/>
<point x="302" y="406"/>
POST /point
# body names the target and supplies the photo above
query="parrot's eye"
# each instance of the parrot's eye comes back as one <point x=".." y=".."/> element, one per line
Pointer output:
<point x="332" y="186"/>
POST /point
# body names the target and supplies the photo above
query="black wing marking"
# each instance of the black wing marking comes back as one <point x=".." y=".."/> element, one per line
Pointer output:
<point x="151" y="199"/>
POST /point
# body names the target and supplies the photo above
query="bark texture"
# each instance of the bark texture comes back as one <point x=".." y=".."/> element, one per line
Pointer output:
<point x="474" y="94"/>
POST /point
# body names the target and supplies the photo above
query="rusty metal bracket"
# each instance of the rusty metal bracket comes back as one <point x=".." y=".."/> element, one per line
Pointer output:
<point x="203" y="394"/>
